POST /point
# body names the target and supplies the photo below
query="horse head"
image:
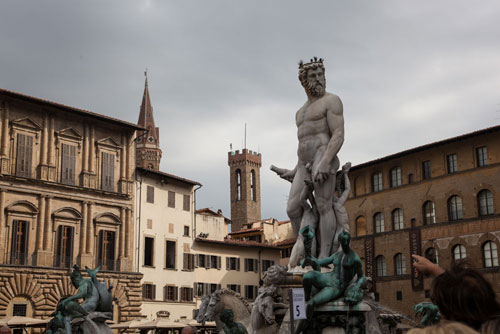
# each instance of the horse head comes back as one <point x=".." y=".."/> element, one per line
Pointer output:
<point x="213" y="307"/>
<point x="201" y="316"/>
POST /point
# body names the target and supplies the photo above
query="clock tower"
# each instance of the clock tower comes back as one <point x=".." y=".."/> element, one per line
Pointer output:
<point x="148" y="142"/>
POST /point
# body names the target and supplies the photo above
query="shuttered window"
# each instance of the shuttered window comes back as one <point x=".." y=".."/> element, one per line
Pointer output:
<point x="186" y="294"/>
<point x="188" y="261"/>
<point x="185" y="203"/>
<point x="106" y="250"/>
<point x="24" y="155"/>
<point x="64" y="252"/>
<point x="108" y="171"/>
<point x="68" y="161"/>
<point x="171" y="199"/>
<point x="149" y="291"/>
<point x="170" y="293"/>
<point x="19" y="242"/>
<point x="150" y="198"/>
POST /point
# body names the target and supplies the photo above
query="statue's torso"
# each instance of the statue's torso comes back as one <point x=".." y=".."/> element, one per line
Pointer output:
<point x="313" y="131"/>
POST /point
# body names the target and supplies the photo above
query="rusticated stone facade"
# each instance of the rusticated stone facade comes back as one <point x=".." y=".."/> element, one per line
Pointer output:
<point x="66" y="197"/>
<point x="448" y="194"/>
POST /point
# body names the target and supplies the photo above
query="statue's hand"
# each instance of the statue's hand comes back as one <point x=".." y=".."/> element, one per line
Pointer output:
<point x="429" y="312"/>
<point x="321" y="172"/>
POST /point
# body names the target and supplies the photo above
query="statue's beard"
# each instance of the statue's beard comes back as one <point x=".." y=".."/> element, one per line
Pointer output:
<point x="315" y="88"/>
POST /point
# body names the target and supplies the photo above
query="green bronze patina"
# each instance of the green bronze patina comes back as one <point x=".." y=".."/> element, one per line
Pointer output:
<point x="228" y="324"/>
<point x="337" y="283"/>
<point x="429" y="312"/>
<point x="96" y="298"/>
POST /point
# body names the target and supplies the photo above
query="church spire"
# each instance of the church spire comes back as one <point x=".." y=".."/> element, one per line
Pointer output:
<point x="148" y="142"/>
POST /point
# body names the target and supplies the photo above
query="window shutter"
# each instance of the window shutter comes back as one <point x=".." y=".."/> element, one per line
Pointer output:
<point x="144" y="291"/>
<point x="255" y="265"/>
<point x="227" y="263"/>
<point x="255" y="291"/>
<point x="59" y="255"/>
<point x="154" y="291"/>
<point x="219" y="286"/>
<point x="219" y="260"/>
<point x="238" y="264"/>
<point x="190" y="291"/>
<point x="208" y="261"/>
<point x="238" y="288"/>
<point x="176" y="293"/>
<point x="72" y="163"/>
<point x="29" y="155"/>
<point x="206" y="288"/>
<point x="185" y="261"/>
<point x="111" y="166"/>
<point x="195" y="289"/>
<point x="246" y="264"/>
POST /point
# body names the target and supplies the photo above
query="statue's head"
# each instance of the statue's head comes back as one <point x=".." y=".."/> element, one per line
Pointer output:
<point x="344" y="240"/>
<point x="227" y="316"/>
<point x="76" y="276"/>
<point x="312" y="77"/>
<point x="274" y="275"/>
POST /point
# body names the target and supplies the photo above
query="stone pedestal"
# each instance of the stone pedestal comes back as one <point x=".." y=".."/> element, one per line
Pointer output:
<point x="86" y="260"/>
<point x="339" y="317"/>
<point x="44" y="258"/>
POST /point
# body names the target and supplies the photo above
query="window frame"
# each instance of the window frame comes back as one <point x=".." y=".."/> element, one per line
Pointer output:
<point x="481" y="156"/>
<point x="396" y="178"/>
<point x="167" y="266"/>
<point x="399" y="264"/>
<point x="462" y="252"/>
<point x="455" y="208"/>
<point x="152" y="255"/>
<point x="378" y="222"/>
<point x="490" y="254"/>
<point x="397" y="224"/>
<point x="452" y="163"/>
<point x="380" y="266"/>
<point x="488" y="207"/>
<point x="377" y="182"/>
<point x="426" y="170"/>
<point x="429" y="215"/>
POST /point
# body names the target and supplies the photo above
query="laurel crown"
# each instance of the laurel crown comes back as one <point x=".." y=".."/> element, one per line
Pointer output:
<point x="314" y="60"/>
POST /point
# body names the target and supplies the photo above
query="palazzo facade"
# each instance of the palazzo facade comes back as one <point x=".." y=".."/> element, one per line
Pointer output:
<point x="66" y="198"/>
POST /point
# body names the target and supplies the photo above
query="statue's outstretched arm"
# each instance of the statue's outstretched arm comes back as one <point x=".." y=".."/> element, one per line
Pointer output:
<point x="82" y="292"/>
<point x="284" y="173"/>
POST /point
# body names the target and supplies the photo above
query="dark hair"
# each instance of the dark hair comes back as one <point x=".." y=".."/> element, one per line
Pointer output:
<point x="463" y="294"/>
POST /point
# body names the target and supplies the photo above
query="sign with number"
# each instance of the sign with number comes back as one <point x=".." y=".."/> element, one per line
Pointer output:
<point x="298" y="304"/>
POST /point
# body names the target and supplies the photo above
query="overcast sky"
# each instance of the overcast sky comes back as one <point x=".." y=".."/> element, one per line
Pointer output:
<point x="408" y="73"/>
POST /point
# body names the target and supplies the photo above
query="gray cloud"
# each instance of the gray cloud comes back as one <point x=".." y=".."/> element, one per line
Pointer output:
<point x="408" y="73"/>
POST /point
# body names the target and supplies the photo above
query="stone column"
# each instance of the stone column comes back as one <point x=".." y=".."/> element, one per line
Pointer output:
<point x="121" y="251"/>
<point x="3" y="226"/>
<point x="92" y="150"/>
<point x="43" y="149"/>
<point x="129" y="158"/>
<point x="123" y="158"/>
<point x="48" y="226"/>
<point x="90" y="230"/>
<point x="128" y="236"/>
<point x="40" y="223"/>
<point x="83" y="230"/>
<point x="85" y="154"/>
<point x="51" y="150"/>
<point x="5" y="129"/>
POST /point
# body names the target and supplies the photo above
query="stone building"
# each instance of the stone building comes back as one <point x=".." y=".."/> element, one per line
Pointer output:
<point x="441" y="200"/>
<point x="244" y="182"/>
<point x="66" y="197"/>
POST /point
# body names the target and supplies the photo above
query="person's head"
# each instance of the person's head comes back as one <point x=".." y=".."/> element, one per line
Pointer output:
<point x="227" y="316"/>
<point x="189" y="330"/>
<point x="444" y="327"/>
<point x="344" y="240"/>
<point x="312" y="77"/>
<point x="463" y="294"/>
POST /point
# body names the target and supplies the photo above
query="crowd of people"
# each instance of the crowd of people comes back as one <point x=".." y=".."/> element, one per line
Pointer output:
<point x="465" y="299"/>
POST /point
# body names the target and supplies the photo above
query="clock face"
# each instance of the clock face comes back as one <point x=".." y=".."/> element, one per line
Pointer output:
<point x="151" y="139"/>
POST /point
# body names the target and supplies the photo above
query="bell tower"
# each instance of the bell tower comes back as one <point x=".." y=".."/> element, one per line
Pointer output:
<point x="244" y="176"/>
<point x="148" y="150"/>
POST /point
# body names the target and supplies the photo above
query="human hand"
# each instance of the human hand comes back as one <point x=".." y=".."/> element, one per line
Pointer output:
<point x="321" y="173"/>
<point x="426" y="267"/>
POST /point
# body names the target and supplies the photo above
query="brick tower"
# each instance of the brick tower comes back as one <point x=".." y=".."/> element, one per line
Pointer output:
<point x="148" y="142"/>
<point x="244" y="175"/>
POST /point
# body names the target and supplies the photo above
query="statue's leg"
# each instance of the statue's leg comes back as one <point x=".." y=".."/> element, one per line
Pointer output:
<point x="327" y="221"/>
<point x="313" y="278"/>
<point x="294" y="208"/>
<point x="67" y="324"/>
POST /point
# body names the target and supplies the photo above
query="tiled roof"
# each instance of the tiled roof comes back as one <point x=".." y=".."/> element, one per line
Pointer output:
<point x="246" y="230"/>
<point x="167" y="175"/>
<point x="284" y="222"/>
<point x="286" y="242"/>
<point x="238" y="243"/>
<point x="427" y="146"/>
<point x="66" y="108"/>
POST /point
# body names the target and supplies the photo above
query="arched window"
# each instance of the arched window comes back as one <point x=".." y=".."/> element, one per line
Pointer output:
<point x="431" y="254"/>
<point x="490" y="254"/>
<point x="238" y="185"/>
<point x="378" y="222"/>
<point x="377" y="182"/>
<point x="399" y="264"/>
<point x="397" y="219"/>
<point x="395" y="177"/>
<point x="455" y="208"/>
<point x="381" y="266"/>
<point x="360" y="226"/>
<point x="429" y="213"/>
<point x="485" y="202"/>
<point x="459" y="252"/>
<point x="253" y="193"/>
